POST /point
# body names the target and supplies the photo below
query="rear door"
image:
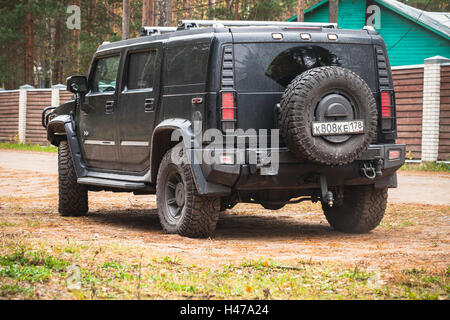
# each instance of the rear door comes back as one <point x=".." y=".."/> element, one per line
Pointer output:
<point x="264" y="70"/>
<point x="97" y="123"/>
<point x="138" y="100"/>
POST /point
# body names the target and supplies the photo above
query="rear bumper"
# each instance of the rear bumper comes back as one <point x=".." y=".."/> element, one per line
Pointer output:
<point x="292" y="174"/>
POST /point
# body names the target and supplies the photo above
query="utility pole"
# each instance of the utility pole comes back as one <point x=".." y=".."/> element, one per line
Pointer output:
<point x="126" y="19"/>
<point x="300" y="10"/>
<point x="147" y="12"/>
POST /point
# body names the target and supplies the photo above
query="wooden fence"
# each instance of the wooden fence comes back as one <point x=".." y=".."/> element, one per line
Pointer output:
<point x="20" y="120"/>
<point x="409" y="93"/>
<point x="9" y="115"/>
<point x="444" y="117"/>
<point x="408" y="85"/>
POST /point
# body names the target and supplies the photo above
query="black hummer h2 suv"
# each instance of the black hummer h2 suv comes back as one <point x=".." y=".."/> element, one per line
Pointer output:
<point x="318" y="100"/>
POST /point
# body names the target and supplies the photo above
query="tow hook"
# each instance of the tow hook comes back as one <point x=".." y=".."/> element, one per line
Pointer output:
<point x="368" y="170"/>
<point x="327" y="196"/>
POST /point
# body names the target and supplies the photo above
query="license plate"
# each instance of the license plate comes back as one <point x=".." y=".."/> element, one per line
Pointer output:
<point x="337" y="128"/>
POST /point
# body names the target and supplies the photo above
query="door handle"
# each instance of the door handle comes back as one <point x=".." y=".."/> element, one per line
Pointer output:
<point x="149" y="104"/>
<point x="109" y="107"/>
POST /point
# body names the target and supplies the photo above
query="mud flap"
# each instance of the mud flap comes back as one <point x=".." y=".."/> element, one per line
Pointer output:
<point x="387" y="182"/>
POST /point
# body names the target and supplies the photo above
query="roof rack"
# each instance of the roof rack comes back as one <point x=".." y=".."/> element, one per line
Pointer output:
<point x="190" y="24"/>
<point x="153" y="31"/>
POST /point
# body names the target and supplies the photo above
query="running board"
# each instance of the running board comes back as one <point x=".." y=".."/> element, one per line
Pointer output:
<point x="112" y="183"/>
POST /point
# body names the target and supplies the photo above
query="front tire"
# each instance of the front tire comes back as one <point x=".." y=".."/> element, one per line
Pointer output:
<point x="180" y="208"/>
<point x="73" y="197"/>
<point x="362" y="209"/>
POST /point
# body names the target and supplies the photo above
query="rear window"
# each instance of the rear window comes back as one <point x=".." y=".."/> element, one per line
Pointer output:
<point x="272" y="66"/>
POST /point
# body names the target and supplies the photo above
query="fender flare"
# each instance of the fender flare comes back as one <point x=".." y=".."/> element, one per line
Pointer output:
<point x="61" y="128"/>
<point x="56" y="129"/>
<point x="161" y="143"/>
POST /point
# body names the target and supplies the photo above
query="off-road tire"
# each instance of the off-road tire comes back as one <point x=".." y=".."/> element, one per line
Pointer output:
<point x="299" y="103"/>
<point x="73" y="197"/>
<point x="362" y="209"/>
<point x="199" y="214"/>
<point x="272" y="206"/>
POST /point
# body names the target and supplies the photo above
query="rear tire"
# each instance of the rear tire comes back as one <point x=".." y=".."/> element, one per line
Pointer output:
<point x="362" y="209"/>
<point x="73" y="197"/>
<point x="180" y="208"/>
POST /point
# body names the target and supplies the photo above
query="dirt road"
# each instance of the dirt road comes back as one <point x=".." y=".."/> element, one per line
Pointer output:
<point x="415" y="231"/>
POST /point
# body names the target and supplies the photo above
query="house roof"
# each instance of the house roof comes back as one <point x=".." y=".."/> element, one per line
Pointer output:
<point x="438" y="22"/>
<point x="443" y="17"/>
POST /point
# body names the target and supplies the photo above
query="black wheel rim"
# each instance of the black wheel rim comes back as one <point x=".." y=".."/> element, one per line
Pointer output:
<point x="175" y="196"/>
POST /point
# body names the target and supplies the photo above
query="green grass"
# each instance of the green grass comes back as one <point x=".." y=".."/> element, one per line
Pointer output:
<point x="24" y="271"/>
<point x="11" y="290"/>
<point x="426" y="166"/>
<point x="27" y="147"/>
<point x="30" y="266"/>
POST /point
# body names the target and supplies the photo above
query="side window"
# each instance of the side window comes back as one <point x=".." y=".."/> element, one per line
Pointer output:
<point x="141" y="70"/>
<point x="105" y="74"/>
<point x="187" y="64"/>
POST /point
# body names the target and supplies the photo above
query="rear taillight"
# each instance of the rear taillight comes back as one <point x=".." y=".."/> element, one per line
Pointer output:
<point x="387" y="110"/>
<point x="386" y="104"/>
<point x="228" y="110"/>
<point x="227" y="106"/>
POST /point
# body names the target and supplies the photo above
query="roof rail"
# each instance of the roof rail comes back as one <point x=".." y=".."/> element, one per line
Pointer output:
<point x="189" y="24"/>
<point x="153" y="31"/>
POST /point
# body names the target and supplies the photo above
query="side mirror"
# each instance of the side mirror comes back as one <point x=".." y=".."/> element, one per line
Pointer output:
<point x="77" y="84"/>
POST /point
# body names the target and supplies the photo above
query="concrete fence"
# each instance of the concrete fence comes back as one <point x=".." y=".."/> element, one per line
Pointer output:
<point x="422" y="94"/>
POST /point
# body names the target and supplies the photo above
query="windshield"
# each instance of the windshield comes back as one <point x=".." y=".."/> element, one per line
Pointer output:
<point x="272" y="66"/>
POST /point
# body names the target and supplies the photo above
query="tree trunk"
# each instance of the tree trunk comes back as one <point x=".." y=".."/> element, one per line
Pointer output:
<point x="300" y="10"/>
<point x="52" y="49"/>
<point x="333" y="11"/>
<point x="147" y="12"/>
<point x="156" y="12"/>
<point x="57" y="67"/>
<point x="77" y="39"/>
<point x="126" y="19"/>
<point x="212" y="7"/>
<point x="29" y="50"/>
<point x="166" y="13"/>
<point x="236" y="9"/>
<point x="90" y="17"/>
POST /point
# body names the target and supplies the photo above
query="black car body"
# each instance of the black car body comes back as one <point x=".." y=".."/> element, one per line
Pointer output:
<point x="140" y="90"/>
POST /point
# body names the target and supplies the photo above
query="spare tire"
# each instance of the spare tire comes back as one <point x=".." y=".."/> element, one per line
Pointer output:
<point x="336" y="100"/>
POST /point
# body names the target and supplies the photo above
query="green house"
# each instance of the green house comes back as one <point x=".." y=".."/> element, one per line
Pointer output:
<point x="411" y="35"/>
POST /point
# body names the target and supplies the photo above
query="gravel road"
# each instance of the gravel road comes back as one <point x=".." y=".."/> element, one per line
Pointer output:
<point x="414" y="187"/>
<point x="415" y="231"/>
